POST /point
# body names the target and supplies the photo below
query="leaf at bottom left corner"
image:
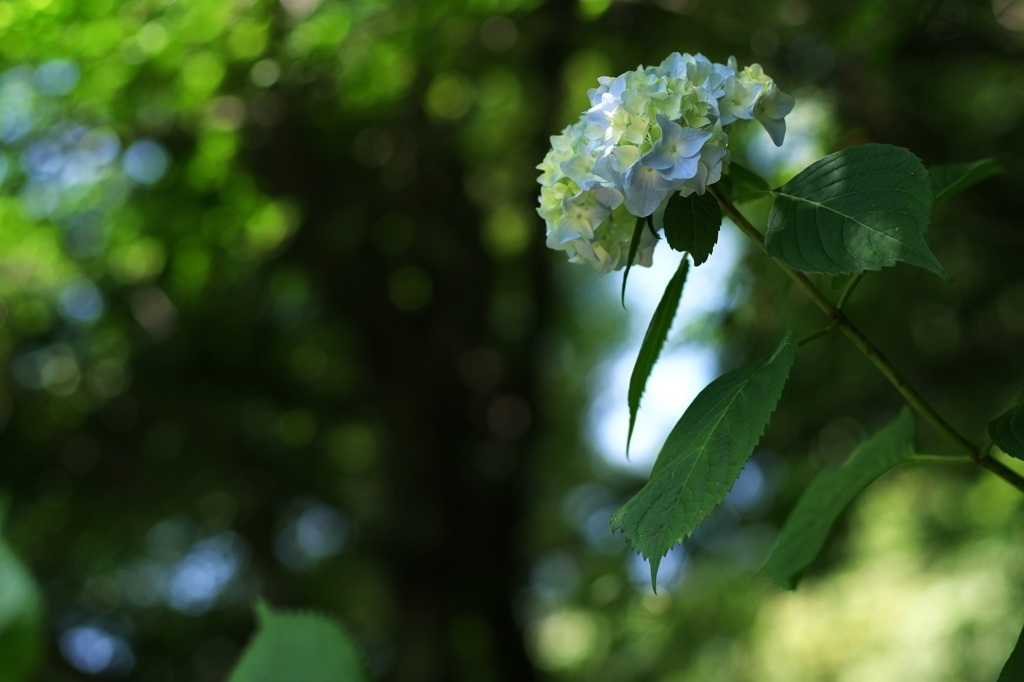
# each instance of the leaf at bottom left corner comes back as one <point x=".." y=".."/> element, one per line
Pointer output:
<point x="21" y="624"/>
<point x="293" y="646"/>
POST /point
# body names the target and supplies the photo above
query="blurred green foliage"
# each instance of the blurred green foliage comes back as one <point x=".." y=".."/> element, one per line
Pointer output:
<point x="278" y="320"/>
<point x="21" y="615"/>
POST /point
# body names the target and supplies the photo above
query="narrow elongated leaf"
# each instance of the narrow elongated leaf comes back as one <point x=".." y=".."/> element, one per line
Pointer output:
<point x="808" y="525"/>
<point x="1013" y="671"/>
<point x="692" y="224"/>
<point x="1007" y="430"/>
<point x="654" y="339"/>
<point x="863" y="208"/>
<point x="21" y="626"/>
<point x="298" y="647"/>
<point x="704" y="454"/>
<point x="949" y="179"/>
<point x="634" y="246"/>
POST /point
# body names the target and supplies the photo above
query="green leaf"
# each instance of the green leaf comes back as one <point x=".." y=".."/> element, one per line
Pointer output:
<point x="634" y="246"/>
<point x="952" y="178"/>
<point x="21" y="622"/>
<point x="654" y="339"/>
<point x="746" y="184"/>
<point x="808" y="525"/>
<point x="298" y="647"/>
<point x="863" y="208"/>
<point x="1007" y="430"/>
<point x="692" y="224"/>
<point x="704" y="454"/>
<point x="1013" y="671"/>
<point x="741" y="184"/>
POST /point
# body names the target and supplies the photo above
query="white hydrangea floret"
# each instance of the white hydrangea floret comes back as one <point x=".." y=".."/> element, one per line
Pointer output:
<point x="648" y="133"/>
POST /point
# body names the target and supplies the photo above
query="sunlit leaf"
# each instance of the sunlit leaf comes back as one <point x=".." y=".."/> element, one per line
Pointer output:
<point x="704" y="454"/>
<point x="298" y="647"/>
<point x="1013" y="671"/>
<point x="949" y="179"/>
<point x="20" y="617"/>
<point x="654" y="339"/>
<point x="863" y="208"/>
<point x="634" y="246"/>
<point x="808" y="525"/>
<point x="692" y="224"/>
<point x="1007" y="430"/>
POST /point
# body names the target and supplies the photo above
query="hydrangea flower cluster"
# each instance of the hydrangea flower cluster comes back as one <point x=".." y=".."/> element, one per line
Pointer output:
<point x="648" y="133"/>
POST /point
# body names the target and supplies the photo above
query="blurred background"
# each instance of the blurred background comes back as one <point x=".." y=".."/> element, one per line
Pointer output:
<point x="276" y="319"/>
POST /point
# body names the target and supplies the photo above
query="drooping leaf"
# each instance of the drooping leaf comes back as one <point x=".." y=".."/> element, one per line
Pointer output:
<point x="692" y="224"/>
<point x="863" y="208"/>
<point x="1007" y="430"/>
<point x="298" y="647"/>
<point x="704" y="454"/>
<point x="1013" y="670"/>
<point x="949" y="179"/>
<point x="21" y="626"/>
<point x="634" y="246"/>
<point x="654" y="339"/>
<point x="808" y="525"/>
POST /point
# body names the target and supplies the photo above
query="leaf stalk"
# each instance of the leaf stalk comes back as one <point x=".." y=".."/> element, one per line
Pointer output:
<point x="817" y="335"/>
<point x="848" y="291"/>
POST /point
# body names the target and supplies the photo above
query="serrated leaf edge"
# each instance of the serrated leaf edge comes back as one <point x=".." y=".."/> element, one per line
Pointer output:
<point x="824" y="168"/>
<point x="680" y="273"/>
<point x="656" y="561"/>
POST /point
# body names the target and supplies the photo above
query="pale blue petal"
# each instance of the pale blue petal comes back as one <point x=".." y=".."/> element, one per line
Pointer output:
<point x="776" y="128"/>
<point x="645" y="254"/>
<point x="712" y="154"/>
<point x="739" y="100"/>
<point x="599" y="112"/>
<point x="673" y="66"/>
<point x="617" y="86"/>
<point x="586" y="250"/>
<point x="698" y="183"/>
<point x="581" y="216"/>
<point x="608" y="197"/>
<point x="605" y="169"/>
<point x="578" y="169"/>
<point x="562" y="233"/>
<point x="692" y="140"/>
<point x="659" y="157"/>
<point x="777" y="104"/>
<point x="553" y="242"/>
<point x="683" y="169"/>
<point x="676" y="143"/>
<point x="645" y="188"/>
